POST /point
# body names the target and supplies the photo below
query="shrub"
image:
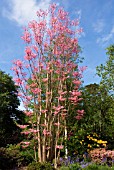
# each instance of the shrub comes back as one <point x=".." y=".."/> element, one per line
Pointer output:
<point x="40" y="166"/>
<point x="34" y="166"/>
<point x="14" y="157"/>
<point x="64" y="168"/>
<point x="98" y="167"/>
<point x="92" y="167"/>
<point x="102" y="156"/>
<point x="75" y="166"/>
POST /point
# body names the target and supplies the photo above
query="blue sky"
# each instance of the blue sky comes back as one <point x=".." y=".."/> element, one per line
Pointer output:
<point x="96" y="19"/>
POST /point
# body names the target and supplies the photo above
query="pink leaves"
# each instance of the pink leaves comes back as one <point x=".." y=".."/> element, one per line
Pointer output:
<point x="44" y="111"/>
<point x="45" y="80"/>
<point x="18" y="81"/>
<point x="27" y="36"/>
<point x="62" y="14"/>
<point x="18" y="63"/>
<point x="25" y="144"/>
<point x="28" y="113"/>
<point x="42" y="13"/>
<point x="59" y="146"/>
<point x="46" y="132"/>
<point x="23" y="126"/>
<point x="75" y="93"/>
<point x="57" y="124"/>
<point x="79" y="114"/>
<point x="77" y="82"/>
<point x="29" y="54"/>
<point x="61" y="99"/>
<point x="28" y="51"/>
<point x="36" y="90"/>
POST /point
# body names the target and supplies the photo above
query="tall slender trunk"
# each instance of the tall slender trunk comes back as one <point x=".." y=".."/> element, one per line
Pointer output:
<point x="66" y="149"/>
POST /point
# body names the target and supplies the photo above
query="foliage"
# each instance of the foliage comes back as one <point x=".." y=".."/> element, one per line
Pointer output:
<point x="9" y="113"/>
<point x="14" y="157"/>
<point x="64" y="168"/>
<point x="49" y="81"/>
<point x="98" y="106"/>
<point x="40" y="166"/>
<point x="98" y="167"/>
<point x="92" y="167"/>
<point x="106" y="72"/>
<point x="68" y="161"/>
<point x="102" y="156"/>
<point x="75" y="166"/>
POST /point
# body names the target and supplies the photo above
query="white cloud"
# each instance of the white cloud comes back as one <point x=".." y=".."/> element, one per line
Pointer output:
<point x="23" y="11"/>
<point x="106" y="38"/>
<point x="99" y="26"/>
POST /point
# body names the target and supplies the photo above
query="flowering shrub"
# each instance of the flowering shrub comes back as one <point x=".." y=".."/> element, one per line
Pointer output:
<point x="96" y="142"/>
<point x="102" y="156"/>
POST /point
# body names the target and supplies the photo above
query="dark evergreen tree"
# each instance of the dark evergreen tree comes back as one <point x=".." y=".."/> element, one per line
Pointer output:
<point x="9" y="112"/>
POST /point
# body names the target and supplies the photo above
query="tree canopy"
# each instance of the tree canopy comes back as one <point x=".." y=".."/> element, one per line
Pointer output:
<point x="106" y="72"/>
<point x="9" y="113"/>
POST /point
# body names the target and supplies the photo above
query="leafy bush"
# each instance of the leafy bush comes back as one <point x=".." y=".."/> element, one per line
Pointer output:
<point x="34" y="166"/>
<point x="64" y="168"/>
<point x="14" y="156"/>
<point x="75" y="166"/>
<point x="40" y="166"/>
<point x="104" y="168"/>
<point x="102" y="156"/>
<point x="92" y="167"/>
<point x="98" y="167"/>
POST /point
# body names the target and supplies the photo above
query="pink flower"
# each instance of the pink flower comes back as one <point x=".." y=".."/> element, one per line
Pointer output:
<point x="58" y="108"/>
<point x="78" y="117"/>
<point x="76" y="93"/>
<point x="26" y="143"/>
<point x="35" y="90"/>
<point x="18" y="63"/>
<point x="44" y="111"/>
<point x="27" y="36"/>
<point x="80" y="112"/>
<point x="28" y="51"/>
<point x="75" y="74"/>
<point x="25" y="146"/>
<point x="45" y="80"/>
<point x="25" y="132"/>
<point x="77" y="82"/>
<point x="28" y="113"/>
<point x="59" y="146"/>
<point x="83" y="68"/>
<point x="18" y="81"/>
<point x="45" y="132"/>
<point x="28" y="98"/>
<point x="48" y="92"/>
<point x="33" y="130"/>
<point x="35" y="48"/>
<point x="23" y="126"/>
<point x="61" y="98"/>
<point x="57" y="124"/>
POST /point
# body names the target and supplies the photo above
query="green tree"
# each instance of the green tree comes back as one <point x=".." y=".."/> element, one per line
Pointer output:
<point x="9" y="113"/>
<point x="106" y="72"/>
<point x="98" y="106"/>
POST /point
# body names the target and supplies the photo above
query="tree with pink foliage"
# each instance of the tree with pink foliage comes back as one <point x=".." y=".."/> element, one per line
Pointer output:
<point x="49" y="81"/>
